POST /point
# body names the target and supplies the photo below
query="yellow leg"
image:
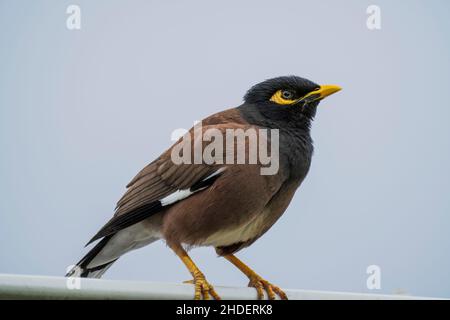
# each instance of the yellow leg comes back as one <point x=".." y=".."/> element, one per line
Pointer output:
<point x="257" y="281"/>
<point x="202" y="288"/>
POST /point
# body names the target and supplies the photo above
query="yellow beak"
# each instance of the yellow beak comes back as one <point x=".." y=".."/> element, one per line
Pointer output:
<point x="322" y="92"/>
<point x="326" y="90"/>
<point x="319" y="94"/>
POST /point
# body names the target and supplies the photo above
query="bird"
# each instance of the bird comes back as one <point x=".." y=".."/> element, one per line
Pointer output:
<point x="225" y="205"/>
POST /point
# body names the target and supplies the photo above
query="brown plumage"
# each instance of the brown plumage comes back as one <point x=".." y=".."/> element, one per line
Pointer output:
<point x="224" y="205"/>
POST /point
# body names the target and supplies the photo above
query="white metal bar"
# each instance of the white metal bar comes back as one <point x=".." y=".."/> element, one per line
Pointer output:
<point x="44" y="287"/>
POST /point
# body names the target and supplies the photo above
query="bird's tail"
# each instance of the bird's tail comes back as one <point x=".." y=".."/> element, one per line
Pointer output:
<point x="86" y="269"/>
<point x="95" y="263"/>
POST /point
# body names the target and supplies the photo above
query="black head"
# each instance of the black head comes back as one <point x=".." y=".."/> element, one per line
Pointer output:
<point x="290" y="99"/>
<point x="296" y="86"/>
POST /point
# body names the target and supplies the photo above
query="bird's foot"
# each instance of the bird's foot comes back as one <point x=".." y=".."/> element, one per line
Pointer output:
<point x="203" y="289"/>
<point x="260" y="284"/>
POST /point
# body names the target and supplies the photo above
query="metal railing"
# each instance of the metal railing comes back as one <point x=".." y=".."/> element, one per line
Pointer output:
<point x="43" y="287"/>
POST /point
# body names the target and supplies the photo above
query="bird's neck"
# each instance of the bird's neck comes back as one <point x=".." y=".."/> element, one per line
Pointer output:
<point x="296" y="145"/>
<point x="275" y="117"/>
<point x="296" y="152"/>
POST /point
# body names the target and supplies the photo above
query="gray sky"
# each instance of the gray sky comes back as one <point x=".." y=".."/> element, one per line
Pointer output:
<point x="82" y="111"/>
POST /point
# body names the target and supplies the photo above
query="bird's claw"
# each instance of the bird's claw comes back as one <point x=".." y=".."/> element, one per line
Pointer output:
<point x="260" y="285"/>
<point x="203" y="289"/>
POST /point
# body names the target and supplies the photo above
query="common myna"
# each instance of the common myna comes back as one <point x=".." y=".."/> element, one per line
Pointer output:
<point x="227" y="203"/>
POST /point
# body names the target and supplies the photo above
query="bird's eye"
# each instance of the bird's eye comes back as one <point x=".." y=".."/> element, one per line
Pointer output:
<point x="287" y="94"/>
<point x="283" y="97"/>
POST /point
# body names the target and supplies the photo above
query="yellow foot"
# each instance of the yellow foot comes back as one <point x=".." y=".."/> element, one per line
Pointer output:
<point x="203" y="290"/>
<point x="260" y="284"/>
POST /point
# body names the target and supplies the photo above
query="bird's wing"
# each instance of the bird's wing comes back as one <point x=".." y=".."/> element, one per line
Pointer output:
<point x="161" y="184"/>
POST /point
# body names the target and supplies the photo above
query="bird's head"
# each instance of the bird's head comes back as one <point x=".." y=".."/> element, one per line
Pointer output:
<point x="288" y="98"/>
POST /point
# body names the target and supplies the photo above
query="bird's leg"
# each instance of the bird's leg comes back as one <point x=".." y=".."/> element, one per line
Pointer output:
<point x="257" y="281"/>
<point x="202" y="288"/>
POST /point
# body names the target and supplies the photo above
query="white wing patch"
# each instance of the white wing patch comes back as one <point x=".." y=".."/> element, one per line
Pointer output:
<point x="215" y="173"/>
<point x="176" y="196"/>
<point x="184" y="193"/>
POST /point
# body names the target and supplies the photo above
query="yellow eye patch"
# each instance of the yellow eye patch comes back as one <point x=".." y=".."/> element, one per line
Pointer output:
<point x="278" y="98"/>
